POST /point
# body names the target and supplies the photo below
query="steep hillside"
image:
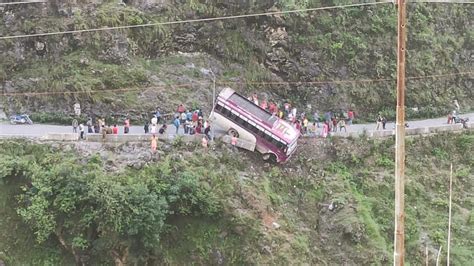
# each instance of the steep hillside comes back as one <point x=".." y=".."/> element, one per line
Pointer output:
<point x="162" y="64"/>
<point x="331" y="205"/>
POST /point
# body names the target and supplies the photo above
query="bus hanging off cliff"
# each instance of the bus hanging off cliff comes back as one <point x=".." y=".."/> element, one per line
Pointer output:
<point x="273" y="137"/>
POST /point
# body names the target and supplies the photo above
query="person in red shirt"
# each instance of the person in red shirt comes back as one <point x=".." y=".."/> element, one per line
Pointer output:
<point x="181" y="109"/>
<point x="334" y="123"/>
<point x="195" y="117"/>
<point x="298" y="125"/>
<point x="115" y="130"/>
<point x="350" y="115"/>
<point x="263" y="104"/>
<point x="272" y="108"/>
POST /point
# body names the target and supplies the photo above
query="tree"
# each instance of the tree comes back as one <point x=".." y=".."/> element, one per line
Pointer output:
<point x="91" y="212"/>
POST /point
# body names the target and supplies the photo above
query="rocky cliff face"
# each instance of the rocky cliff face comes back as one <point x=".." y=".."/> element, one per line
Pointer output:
<point x="282" y="57"/>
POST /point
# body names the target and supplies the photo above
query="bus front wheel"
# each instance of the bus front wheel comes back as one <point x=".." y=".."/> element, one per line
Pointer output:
<point x="233" y="132"/>
<point x="269" y="157"/>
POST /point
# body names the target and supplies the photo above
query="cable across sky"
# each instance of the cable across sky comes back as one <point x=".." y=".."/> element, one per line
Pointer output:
<point x="22" y="2"/>
<point x="189" y="21"/>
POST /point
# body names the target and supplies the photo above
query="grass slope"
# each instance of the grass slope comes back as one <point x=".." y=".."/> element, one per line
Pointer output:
<point x="331" y="204"/>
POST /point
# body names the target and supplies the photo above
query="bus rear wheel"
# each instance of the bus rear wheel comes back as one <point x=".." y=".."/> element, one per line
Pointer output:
<point x="269" y="157"/>
<point x="233" y="132"/>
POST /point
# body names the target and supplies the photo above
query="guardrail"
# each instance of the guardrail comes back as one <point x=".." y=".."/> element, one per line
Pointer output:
<point x="408" y="131"/>
<point x="122" y="138"/>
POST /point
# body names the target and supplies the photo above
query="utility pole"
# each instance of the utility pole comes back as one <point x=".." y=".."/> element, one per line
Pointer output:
<point x="213" y="76"/>
<point x="399" y="234"/>
<point x="213" y="102"/>
<point x="449" y="216"/>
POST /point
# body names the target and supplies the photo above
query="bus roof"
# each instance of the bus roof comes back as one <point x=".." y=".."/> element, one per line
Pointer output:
<point x="272" y="123"/>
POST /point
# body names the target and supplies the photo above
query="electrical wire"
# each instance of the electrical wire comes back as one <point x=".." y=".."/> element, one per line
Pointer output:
<point x="175" y="86"/>
<point x="190" y="21"/>
<point x="22" y="2"/>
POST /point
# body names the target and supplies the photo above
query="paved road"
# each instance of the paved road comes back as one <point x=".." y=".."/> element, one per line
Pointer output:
<point x="38" y="130"/>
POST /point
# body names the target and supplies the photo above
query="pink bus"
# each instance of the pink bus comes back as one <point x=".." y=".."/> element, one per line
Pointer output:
<point x="273" y="137"/>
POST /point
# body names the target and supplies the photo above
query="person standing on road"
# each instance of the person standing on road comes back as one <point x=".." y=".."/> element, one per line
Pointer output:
<point x="305" y="125"/>
<point x="154" y="120"/>
<point x="108" y="130"/>
<point x="74" y="125"/>
<point x="233" y="141"/>
<point x="255" y="98"/>
<point x="187" y="126"/>
<point x="342" y="124"/>
<point x="334" y="123"/>
<point x="176" y="123"/>
<point x="316" y="118"/>
<point x="104" y="132"/>
<point x="89" y="125"/>
<point x="450" y="118"/>
<point x="350" y="116"/>
<point x="280" y="114"/>
<point x="146" y="127"/>
<point x="272" y="108"/>
<point x="287" y="107"/>
<point x="263" y="104"/>
<point x="189" y="116"/>
<point x="313" y="129"/>
<point x="195" y="118"/>
<point x="325" y="131"/>
<point x="126" y="126"/>
<point x="379" y="121"/>
<point x="81" y="129"/>
<point x="115" y="130"/>
<point x="384" y="122"/>
<point x="158" y="116"/>
<point x="182" y="120"/>
<point x="207" y="131"/>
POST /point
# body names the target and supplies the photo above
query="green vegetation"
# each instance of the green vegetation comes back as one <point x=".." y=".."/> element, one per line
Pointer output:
<point x="206" y="208"/>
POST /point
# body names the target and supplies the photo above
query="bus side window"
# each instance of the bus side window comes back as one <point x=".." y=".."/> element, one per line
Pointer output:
<point x="252" y="128"/>
<point x="268" y="138"/>
<point x="275" y="142"/>
<point x="241" y="122"/>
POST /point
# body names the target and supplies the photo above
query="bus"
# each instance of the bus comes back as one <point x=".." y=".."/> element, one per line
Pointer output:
<point x="273" y="137"/>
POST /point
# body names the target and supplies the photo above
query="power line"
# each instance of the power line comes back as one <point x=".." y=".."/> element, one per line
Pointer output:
<point x="22" y="2"/>
<point x="189" y="21"/>
<point x="175" y="86"/>
<point x="442" y="1"/>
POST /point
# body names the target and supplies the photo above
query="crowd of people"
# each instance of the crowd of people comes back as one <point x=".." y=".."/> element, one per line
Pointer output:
<point x="307" y="125"/>
<point x="192" y="121"/>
